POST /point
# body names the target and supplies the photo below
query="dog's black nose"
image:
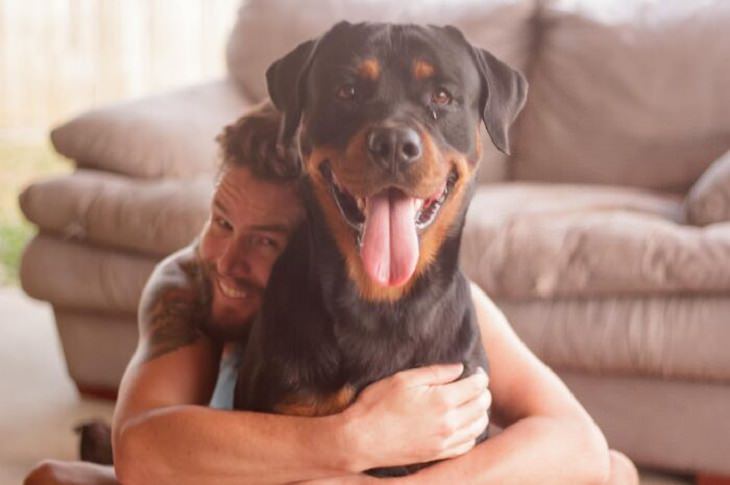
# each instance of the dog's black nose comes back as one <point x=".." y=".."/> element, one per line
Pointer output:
<point x="393" y="148"/>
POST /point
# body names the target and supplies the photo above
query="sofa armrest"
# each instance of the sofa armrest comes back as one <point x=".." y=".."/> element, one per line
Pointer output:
<point x="151" y="217"/>
<point x="168" y="135"/>
<point x="708" y="201"/>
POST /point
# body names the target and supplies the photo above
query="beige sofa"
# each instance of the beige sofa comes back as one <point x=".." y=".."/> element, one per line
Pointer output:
<point x="609" y="257"/>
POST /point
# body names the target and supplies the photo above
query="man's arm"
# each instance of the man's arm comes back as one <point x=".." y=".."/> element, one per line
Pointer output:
<point x="164" y="433"/>
<point x="548" y="437"/>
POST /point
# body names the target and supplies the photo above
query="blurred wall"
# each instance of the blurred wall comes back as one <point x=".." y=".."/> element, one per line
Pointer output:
<point x="59" y="57"/>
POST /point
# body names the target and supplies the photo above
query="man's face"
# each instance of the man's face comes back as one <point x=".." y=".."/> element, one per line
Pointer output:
<point x="249" y="226"/>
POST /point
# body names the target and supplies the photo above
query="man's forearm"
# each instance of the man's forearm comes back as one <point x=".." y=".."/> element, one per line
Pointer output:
<point x="535" y="450"/>
<point x="197" y="445"/>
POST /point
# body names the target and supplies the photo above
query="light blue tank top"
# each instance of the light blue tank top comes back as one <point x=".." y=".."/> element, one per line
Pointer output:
<point x="226" y="384"/>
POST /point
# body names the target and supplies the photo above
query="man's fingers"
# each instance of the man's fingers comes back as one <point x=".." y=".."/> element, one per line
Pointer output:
<point x="430" y="375"/>
<point x="471" y="411"/>
<point x="455" y="451"/>
<point x="464" y="390"/>
<point x="467" y="434"/>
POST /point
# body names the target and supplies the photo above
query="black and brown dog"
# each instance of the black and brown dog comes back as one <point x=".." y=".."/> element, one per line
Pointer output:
<point x="387" y="119"/>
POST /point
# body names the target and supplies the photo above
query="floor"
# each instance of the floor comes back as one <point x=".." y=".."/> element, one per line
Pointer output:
<point x="40" y="406"/>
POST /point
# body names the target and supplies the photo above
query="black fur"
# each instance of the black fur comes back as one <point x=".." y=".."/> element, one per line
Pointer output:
<point x="315" y="334"/>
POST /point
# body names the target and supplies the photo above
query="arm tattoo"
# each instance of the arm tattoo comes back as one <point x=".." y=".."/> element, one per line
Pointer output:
<point x="175" y="315"/>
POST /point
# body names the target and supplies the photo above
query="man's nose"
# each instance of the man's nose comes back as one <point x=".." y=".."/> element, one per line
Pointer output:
<point x="394" y="148"/>
<point x="234" y="260"/>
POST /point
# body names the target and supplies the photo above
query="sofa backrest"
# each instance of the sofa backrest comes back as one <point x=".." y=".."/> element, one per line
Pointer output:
<point x="630" y="92"/>
<point x="268" y="29"/>
<point x="626" y="92"/>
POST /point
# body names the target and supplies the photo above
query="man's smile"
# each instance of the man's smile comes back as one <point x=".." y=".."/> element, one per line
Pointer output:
<point x="233" y="291"/>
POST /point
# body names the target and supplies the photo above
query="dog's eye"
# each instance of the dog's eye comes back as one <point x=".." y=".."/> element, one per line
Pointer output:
<point x="441" y="97"/>
<point x="346" y="92"/>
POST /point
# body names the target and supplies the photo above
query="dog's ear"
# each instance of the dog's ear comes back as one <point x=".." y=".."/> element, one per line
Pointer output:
<point x="286" y="82"/>
<point x="504" y="92"/>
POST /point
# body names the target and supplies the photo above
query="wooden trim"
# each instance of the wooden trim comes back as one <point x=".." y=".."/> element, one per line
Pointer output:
<point x="704" y="479"/>
<point x="97" y="392"/>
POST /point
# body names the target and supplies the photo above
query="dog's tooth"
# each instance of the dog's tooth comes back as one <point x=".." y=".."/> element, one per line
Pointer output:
<point x="335" y="181"/>
<point x="361" y="204"/>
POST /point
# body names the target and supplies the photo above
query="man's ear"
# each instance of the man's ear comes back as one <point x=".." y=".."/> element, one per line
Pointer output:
<point x="504" y="92"/>
<point x="286" y="82"/>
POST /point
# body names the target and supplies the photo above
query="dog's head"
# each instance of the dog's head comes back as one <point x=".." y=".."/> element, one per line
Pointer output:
<point x="387" y="118"/>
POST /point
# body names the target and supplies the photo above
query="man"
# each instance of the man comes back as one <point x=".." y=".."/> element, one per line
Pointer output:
<point x="200" y="300"/>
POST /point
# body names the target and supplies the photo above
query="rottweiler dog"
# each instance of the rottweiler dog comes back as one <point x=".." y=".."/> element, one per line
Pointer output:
<point x="386" y="121"/>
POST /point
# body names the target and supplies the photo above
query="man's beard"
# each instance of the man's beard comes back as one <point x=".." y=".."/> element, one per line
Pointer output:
<point x="233" y="326"/>
<point x="243" y="284"/>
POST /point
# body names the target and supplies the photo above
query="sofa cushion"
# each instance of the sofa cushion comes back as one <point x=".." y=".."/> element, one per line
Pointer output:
<point x="671" y="337"/>
<point x="708" y="201"/>
<point x="264" y="32"/>
<point x="627" y="93"/>
<point x="168" y="135"/>
<point x="525" y="241"/>
<point x="77" y="276"/>
<point x="153" y="217"/>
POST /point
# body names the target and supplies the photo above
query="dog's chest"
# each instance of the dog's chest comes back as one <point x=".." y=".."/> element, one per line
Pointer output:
<point x="374" y="343"/>
<point x="319" y="344"/>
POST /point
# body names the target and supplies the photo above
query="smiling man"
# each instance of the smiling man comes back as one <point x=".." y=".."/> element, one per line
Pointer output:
<point x="198" y="305"/>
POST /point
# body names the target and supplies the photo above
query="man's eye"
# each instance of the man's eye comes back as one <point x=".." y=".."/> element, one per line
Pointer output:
<point x="267" y="241"/>
<point x="223" y="224"/>
<point x="346" y="92"/>
<point x="441" y="97"/>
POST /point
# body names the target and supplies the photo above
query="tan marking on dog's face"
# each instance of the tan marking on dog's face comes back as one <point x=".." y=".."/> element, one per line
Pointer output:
<point x="435" y="235"/>
<point x="369" y="69"/>
<point x="343" y="234"/>
<point x="359" y="174"/>
<point x="478" y="145"/>
<point x="422" y="69"/>
<point x="311" y="405"/>
<point x="354" y="170"/>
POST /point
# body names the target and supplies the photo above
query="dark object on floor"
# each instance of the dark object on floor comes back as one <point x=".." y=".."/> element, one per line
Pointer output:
<point x="96" y="442"/>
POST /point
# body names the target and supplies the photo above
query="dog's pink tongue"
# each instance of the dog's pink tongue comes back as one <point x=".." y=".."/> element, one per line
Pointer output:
<point x="389" y="249"/>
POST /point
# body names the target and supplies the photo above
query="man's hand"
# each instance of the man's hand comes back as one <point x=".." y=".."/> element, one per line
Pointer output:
<point x="53" y="472"/>
<point x="418" y="415"/>
<point x="359" y="479"/>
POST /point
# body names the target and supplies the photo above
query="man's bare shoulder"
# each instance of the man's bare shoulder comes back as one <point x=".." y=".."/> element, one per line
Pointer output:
<point x="486" y="306"/>
<point x="179" y="272"/>
<point x="174" y="305"/>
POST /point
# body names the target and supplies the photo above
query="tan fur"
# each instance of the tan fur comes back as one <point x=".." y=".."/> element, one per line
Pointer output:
<point x="369" y="69"/>
<point x="478" y="144"/>
<point x="422" y="69"/>
<point x="353" y="170"/>
<point x="311" y="405"/>
<point x="435" y="235"/>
